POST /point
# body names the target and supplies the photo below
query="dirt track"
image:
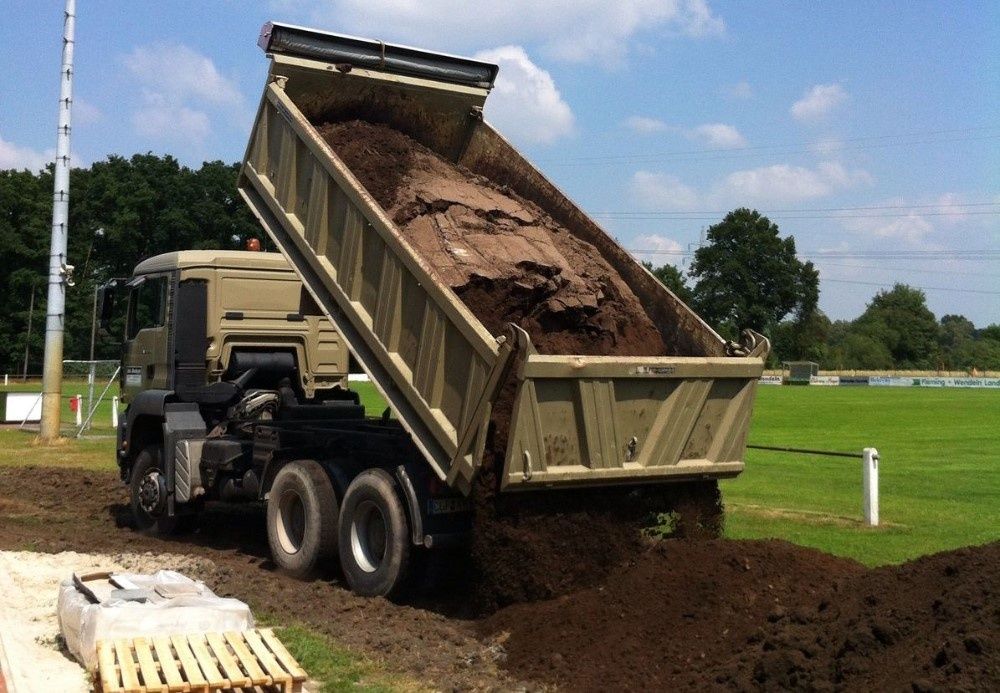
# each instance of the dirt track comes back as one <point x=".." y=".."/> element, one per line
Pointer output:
<point x="687" y="615"/>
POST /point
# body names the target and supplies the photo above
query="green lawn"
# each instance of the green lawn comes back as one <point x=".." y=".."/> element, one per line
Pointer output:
<point x="939" y="471"/>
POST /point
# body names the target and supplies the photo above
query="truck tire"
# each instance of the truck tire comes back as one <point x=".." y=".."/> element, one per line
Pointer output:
<point x="374" y="536"/>
<point x="148" y="494"/>
<point x="301" y="518"/>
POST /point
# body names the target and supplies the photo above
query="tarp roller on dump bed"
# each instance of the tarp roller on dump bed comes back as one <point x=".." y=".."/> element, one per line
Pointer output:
<point x="576" y="419"/>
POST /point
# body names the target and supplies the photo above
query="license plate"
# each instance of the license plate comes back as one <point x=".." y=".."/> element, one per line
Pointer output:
<point x="443" y="506"/>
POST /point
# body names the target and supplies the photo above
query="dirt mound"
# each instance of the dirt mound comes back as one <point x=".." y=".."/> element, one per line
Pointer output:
<point x="765" y="615"/>
<point x="506" y="258"/>
<point x="931" y="624"/>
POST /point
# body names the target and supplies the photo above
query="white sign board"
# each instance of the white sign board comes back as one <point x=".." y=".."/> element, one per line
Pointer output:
<point x="23" y="406"/>
<point x="824" y="380"/>
<point x="991" y="383"/>
<point x="770" y="380"/>
<point x="889" y="381"/>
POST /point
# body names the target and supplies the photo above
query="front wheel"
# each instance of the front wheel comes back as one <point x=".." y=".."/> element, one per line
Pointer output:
<point x="148" y="493"/>
<point x="374" y="536"/>
<point x="301" y="518"/>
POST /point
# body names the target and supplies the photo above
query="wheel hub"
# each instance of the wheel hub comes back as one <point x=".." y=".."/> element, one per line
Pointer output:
<point x="152" y="492"/>
<point x="369" y="537"/>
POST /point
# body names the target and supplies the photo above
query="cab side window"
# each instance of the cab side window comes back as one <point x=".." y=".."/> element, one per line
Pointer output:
<point x="147" y="305"/>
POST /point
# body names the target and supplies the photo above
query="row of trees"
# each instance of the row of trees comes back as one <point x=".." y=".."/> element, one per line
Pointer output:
<point x="746" y="275"/>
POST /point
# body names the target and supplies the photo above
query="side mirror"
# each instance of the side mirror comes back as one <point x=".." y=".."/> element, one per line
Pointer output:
<point x="106" y="305"/>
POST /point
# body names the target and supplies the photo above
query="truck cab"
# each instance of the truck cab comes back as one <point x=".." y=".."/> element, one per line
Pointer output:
<point x="193" y="315"/>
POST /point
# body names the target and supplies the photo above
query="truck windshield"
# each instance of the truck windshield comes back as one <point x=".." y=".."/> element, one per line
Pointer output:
<point x="147" y="305"/>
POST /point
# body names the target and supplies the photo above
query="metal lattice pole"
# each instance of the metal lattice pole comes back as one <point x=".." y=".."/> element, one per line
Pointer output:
<point x="58" y="269"/>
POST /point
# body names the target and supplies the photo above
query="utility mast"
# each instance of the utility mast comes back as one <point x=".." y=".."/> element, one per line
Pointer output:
<point x="59" y="271"/>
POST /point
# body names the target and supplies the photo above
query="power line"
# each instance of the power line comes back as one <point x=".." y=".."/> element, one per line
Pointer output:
<point x="712" y="153"/>
<point x="660" y="216"/>
<point x="833" y="209"/>
<point x="886" y="268"/>
<point x="966" y="255"/>
<point x="922" y="288"/>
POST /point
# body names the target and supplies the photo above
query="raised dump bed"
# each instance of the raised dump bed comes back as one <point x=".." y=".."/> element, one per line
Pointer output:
<point x="576" y="420"/>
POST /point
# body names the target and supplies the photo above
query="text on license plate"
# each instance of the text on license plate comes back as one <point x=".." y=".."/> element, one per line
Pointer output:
<point x="443" y="506"/>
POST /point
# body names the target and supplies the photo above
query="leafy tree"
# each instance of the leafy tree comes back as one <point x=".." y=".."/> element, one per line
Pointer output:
<point x="802" y="340"/>
<point x="990" y="332"/>
<point x="748" y="276"/>
<point x="673" y="279"/>
<point x="956" y="332"/>
<point x="862" y="352"/>
<point x="900" y="319"/>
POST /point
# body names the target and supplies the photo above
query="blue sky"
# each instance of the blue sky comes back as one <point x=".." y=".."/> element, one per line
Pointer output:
<point x="869" y="131"/>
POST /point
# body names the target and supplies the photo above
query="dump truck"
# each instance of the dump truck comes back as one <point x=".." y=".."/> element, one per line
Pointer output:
<point x="380" y="491"/>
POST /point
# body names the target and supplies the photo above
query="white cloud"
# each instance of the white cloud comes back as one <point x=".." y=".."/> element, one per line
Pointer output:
<point x="663" y="192"/>
<point x="646" y="126"/>
<point x="570" y="30"/>
<point x="950" y="208"/>
<point x="739" y="91"/>
<point x="818" y="102"/>
<point x="161" y="119"/>
<point x="13" y="156"/>
<point x="526" y="105"/>
<point x="181" y="73"/>
<point x="827" y="146"/>
<point x="912" y="229"/>
<point x="718" y="135"/>
<point x="85" y="113"/>
<point x="660" y="249"/>
<point x="782" y="183"/>
<point x="179" y="89"/>
<point x="756" y="187"/>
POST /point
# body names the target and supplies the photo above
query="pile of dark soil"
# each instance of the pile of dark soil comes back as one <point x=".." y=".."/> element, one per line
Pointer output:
<point x="717" y="615"/>
<point x="504" y="257"/>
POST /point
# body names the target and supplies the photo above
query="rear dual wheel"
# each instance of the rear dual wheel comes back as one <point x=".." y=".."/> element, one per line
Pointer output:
<point x="374" y="535"/>
<point x="301" y="518"/>
<point x="370" y="528"/>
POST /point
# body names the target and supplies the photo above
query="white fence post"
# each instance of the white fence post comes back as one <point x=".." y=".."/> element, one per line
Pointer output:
<point x="79" y="410"/>
<point x="114" y="412"/>
<point x="869" y="472"/>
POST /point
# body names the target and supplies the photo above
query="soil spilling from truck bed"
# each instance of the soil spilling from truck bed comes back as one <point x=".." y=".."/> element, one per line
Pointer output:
<point x="506" y="259"/>
<point x="511" y="262"/>
<point x="684" y="615"/>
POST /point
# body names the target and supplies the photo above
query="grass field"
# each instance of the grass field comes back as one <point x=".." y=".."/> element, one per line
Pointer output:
<point x="939" y="474"/>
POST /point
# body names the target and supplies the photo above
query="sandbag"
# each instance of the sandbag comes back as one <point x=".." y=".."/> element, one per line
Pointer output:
<point x="165" y="603"/>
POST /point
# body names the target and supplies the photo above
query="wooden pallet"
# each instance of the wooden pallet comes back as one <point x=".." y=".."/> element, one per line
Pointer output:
<point x="201" y="662"/>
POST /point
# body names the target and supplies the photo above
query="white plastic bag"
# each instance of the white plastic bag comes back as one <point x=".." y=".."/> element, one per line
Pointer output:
<point x="83" y="622"/>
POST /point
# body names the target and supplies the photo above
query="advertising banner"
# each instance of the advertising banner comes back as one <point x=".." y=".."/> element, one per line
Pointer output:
<point x="824" y="380"/>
